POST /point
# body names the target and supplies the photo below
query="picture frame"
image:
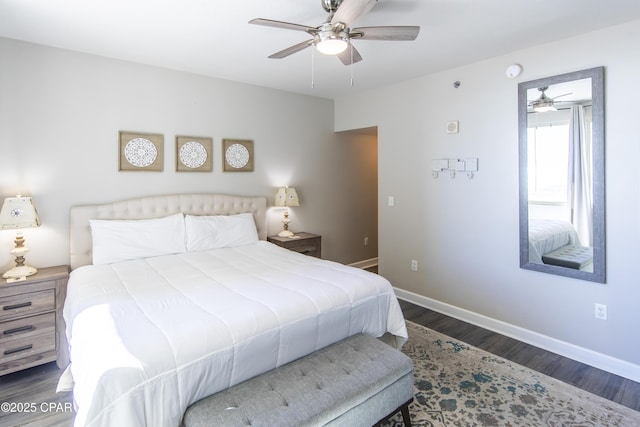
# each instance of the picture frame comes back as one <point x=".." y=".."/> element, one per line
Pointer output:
<point x="140" y="151"/>
<point x="194" y="154"/>
<point x="237" y="155"/>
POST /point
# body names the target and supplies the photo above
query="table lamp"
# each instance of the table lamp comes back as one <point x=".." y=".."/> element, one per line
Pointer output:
<point x="286" y="196"/>
<point x="18" y="213"/>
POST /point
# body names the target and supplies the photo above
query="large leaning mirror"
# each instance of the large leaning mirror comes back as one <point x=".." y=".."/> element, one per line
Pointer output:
<point x="561" y="135"/>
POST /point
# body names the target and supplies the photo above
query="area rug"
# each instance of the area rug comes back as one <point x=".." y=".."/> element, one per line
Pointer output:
<point x="460" y="385"/>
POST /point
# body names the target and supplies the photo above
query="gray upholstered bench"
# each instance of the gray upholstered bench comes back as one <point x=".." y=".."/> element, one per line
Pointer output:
<point x="359" y="381"/>
<point x="570" y="256"/>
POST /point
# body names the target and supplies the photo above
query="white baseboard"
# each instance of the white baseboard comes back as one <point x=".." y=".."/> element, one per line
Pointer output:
<point x="367" y="263"/>
<point x="580" y="354"/>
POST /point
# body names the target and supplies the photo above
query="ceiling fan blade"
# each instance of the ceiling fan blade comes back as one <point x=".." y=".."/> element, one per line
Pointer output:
<point x="291" y="50"/>
<point x="386" y="33"/>
<point x="350" y="55"/>
<point x="350" y="10"/>
<point x="560" y="96"/>
<point x="281" y="24"/>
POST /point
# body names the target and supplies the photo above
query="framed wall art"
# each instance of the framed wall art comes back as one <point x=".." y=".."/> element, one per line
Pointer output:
<point x="140" y="151"/>
<point x="194" y="154"/>
<point x="237" y="155"/>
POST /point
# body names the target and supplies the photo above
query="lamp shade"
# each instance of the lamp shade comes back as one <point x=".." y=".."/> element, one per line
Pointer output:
<point x="18" y="212"/>
<point x="287" y="196"/>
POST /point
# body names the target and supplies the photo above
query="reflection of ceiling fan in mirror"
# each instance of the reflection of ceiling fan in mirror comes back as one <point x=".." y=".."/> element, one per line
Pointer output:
<point x="334" y="35"/>
<point x="544" y="103"/>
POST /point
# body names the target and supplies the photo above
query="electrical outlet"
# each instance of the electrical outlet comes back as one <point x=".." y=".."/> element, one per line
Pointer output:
<point x="366" y="241"/>
<point x="601" y="311"/>
<point x="414" y="265"/>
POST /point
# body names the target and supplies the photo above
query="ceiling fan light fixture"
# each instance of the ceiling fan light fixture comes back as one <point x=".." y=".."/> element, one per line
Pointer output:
<point x="544" y="107"/>
<point x="331" y="42"/>
<point x="333" y="37"/>
<point x="544" y="103"/>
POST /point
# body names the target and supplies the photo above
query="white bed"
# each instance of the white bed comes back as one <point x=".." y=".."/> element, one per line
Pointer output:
<point x="548" y="235"/>
<point x="150" y="336"/>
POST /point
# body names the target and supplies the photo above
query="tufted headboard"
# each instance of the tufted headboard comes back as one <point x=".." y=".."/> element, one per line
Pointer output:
<point x="156" y="207"/>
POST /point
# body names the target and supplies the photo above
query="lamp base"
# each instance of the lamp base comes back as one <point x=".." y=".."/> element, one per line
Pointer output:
<point x="285" y="225"/>
<point x="21" y="271"/>
<point x="286" y="233"/>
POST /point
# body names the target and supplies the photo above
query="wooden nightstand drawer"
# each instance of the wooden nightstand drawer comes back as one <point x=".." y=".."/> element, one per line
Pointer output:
<point x="19" y="348"/>
<point x="311" y="250"/>
<point x="32" y="329"/>
<point x="304" y="243"/>
<point x="27" y="304"/>
<point x="27" y="326"/>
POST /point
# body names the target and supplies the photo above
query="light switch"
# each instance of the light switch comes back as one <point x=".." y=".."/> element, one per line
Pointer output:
<point x="391" y="201"/>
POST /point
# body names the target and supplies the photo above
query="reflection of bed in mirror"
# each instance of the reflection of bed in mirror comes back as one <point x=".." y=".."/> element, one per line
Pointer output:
<point x="556" y="242"/>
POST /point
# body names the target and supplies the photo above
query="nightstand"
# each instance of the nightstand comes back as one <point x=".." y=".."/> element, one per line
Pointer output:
<point x="32" y="330"/>
<point x="305" y="243"/>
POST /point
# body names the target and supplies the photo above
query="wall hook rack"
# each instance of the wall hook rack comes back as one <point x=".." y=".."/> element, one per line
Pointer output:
<point x="468" y="165"/>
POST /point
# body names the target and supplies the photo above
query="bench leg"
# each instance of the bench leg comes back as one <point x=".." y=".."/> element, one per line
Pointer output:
<point x="406" y="417"/>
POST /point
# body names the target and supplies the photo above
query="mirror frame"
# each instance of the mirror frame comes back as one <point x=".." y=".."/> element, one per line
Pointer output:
<point x="597" y="96"/>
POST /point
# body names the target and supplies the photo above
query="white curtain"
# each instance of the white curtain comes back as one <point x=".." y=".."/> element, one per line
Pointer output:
<point x="580" y="176"/>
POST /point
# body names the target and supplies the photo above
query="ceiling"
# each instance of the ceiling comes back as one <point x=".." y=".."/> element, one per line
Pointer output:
<point x="213" y="37"/>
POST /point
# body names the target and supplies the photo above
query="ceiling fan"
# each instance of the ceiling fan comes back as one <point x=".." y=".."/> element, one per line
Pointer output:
<point x="544" y="103"/>
<point x="334" y="35"/>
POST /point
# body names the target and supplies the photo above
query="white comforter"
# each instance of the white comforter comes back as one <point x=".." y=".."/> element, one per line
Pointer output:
<point x="149" y="337"/>
<point x="548" y="235"/>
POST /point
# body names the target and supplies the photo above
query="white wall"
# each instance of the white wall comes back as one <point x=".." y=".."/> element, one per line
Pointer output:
<point x="464" y="233"/>
<point x="60" y="113"/>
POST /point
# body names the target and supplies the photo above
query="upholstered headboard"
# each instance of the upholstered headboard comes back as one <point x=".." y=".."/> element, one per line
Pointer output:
<point x="157" y="207"/>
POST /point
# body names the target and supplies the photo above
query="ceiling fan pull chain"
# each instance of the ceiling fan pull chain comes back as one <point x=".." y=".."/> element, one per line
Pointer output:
<point x="351" y="67"/>
<point x="312" y="68"/>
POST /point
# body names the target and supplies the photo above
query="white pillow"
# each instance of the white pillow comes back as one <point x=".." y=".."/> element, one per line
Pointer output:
<point x="115" y="241"/>
<point x="220" y="231"/>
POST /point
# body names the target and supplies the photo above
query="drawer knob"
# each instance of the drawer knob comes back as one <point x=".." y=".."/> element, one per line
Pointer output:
<point x="13" y="307"/>
<point x="17" y="330"/>
<point x="18" y="350"/>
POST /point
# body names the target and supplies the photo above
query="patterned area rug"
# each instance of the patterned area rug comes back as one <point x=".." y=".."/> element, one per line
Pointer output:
<point x="459" y="385"/>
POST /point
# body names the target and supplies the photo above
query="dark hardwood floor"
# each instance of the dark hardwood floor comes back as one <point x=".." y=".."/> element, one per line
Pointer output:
<point x="29" y="398"/>
<point x="37" y="385"/>
<point x="596" y="381"/>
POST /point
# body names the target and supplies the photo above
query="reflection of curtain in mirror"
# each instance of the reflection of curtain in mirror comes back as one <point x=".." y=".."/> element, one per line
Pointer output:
<point x="580" y="176"/>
